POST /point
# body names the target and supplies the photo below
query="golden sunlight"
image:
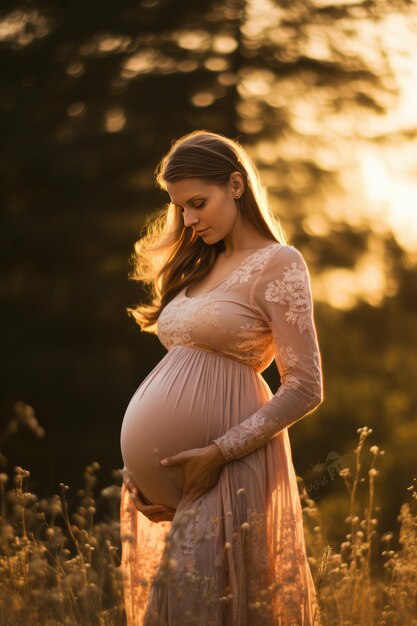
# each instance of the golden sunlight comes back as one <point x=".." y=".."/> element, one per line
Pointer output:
<point x="371" y="148"/>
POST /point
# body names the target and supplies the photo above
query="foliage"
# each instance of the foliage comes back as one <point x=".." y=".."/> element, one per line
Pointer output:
<point x="58" y="567"/>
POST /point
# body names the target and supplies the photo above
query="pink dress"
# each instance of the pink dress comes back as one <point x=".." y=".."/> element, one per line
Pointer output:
<point x="236" y="556"/>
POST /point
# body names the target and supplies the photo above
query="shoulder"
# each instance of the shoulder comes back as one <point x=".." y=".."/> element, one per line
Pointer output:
<point x="285" y="269"/>
<point x="282" y="256"/>
<point x="284" y="280"/>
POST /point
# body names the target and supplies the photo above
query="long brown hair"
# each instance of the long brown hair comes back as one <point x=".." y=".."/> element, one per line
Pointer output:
<point x="169" y="256"/>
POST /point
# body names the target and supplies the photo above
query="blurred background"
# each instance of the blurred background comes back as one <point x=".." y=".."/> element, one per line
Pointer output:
<point x="323" y="95"/>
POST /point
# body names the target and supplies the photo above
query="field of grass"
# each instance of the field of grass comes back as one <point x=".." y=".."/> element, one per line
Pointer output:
<point x="62" y="567"/>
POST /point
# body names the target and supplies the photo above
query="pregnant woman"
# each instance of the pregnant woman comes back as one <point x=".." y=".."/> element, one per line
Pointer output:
<point x="211" y="519"/>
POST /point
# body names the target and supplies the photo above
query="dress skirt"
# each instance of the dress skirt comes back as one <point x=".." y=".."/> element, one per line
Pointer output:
<point x="237" y="555"/>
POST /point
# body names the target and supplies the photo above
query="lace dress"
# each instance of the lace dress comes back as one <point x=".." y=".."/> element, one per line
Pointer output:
<point x="236" y="556"/>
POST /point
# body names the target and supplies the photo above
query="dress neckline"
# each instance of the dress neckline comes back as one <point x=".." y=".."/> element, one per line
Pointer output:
<point x="200" y="295"/>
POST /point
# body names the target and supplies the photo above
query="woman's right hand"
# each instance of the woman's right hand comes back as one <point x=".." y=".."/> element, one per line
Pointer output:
<point x="154" y="512"/>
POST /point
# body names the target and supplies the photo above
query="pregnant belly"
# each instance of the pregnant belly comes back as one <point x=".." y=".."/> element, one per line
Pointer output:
<point x="191" y="397"/>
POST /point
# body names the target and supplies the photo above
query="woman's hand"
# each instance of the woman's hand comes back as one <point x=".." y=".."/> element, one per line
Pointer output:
<point x="154" y="512"/>
<point x="201" y="469"/>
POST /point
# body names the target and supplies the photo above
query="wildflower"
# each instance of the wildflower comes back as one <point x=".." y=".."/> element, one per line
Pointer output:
<point x="29" y="498"/>
<point x="37" y="567"/>
<point x="374" y="449"/>
<point x="21" y="472"/>
<point x="26" y="415"/>
<point x="7" y="532"/>
<point x="244" y="525"/>
<point x="111" y="492"/>
<point x="3" y="478"/>
<point x="55" y="505"/>
<point x="373" y="472"/>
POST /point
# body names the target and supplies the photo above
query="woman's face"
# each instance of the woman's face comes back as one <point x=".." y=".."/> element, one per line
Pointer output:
<point x="207" y="206"/>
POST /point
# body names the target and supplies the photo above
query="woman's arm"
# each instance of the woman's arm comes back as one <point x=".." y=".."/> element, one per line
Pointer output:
<point x="282" y="296"/>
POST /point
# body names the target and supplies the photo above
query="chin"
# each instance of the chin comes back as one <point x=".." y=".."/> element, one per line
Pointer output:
<point x="212" y="240"/>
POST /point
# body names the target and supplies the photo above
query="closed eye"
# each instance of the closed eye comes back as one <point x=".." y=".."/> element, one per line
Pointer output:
<point x="195" y="206"/>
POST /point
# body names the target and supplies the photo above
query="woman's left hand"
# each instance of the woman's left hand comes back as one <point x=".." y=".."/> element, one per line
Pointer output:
<point x="201" y="469"/>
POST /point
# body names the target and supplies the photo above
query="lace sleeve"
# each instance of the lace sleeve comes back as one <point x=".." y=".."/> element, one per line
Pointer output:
<point x="282" y="296"/>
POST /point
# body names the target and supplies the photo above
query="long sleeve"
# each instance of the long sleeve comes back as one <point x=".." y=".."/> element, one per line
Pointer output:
<point x="281" y="295"/>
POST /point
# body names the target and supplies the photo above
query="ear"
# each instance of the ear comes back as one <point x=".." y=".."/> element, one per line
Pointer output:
<point x="237" y="186"/>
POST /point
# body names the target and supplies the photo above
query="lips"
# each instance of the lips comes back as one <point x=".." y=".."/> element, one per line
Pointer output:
<point x="200" y="232"/>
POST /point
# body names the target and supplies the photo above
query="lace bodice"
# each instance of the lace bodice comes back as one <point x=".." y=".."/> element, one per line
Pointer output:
<point x="262" y="311"/>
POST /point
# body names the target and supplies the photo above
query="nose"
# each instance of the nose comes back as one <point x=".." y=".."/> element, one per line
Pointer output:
<point x="189" y="219"/>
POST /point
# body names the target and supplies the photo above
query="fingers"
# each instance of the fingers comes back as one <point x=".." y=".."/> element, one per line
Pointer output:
<point x="190" y="494"/>
<point x="129" y="482"/>
<point x="189" y="497"/>
<point x="141" y="506"/>
<point x="162" y="517"/>
<point x="132" y="488"/>
<point x="154" y="512"/>
<point x="150" y="509"/>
